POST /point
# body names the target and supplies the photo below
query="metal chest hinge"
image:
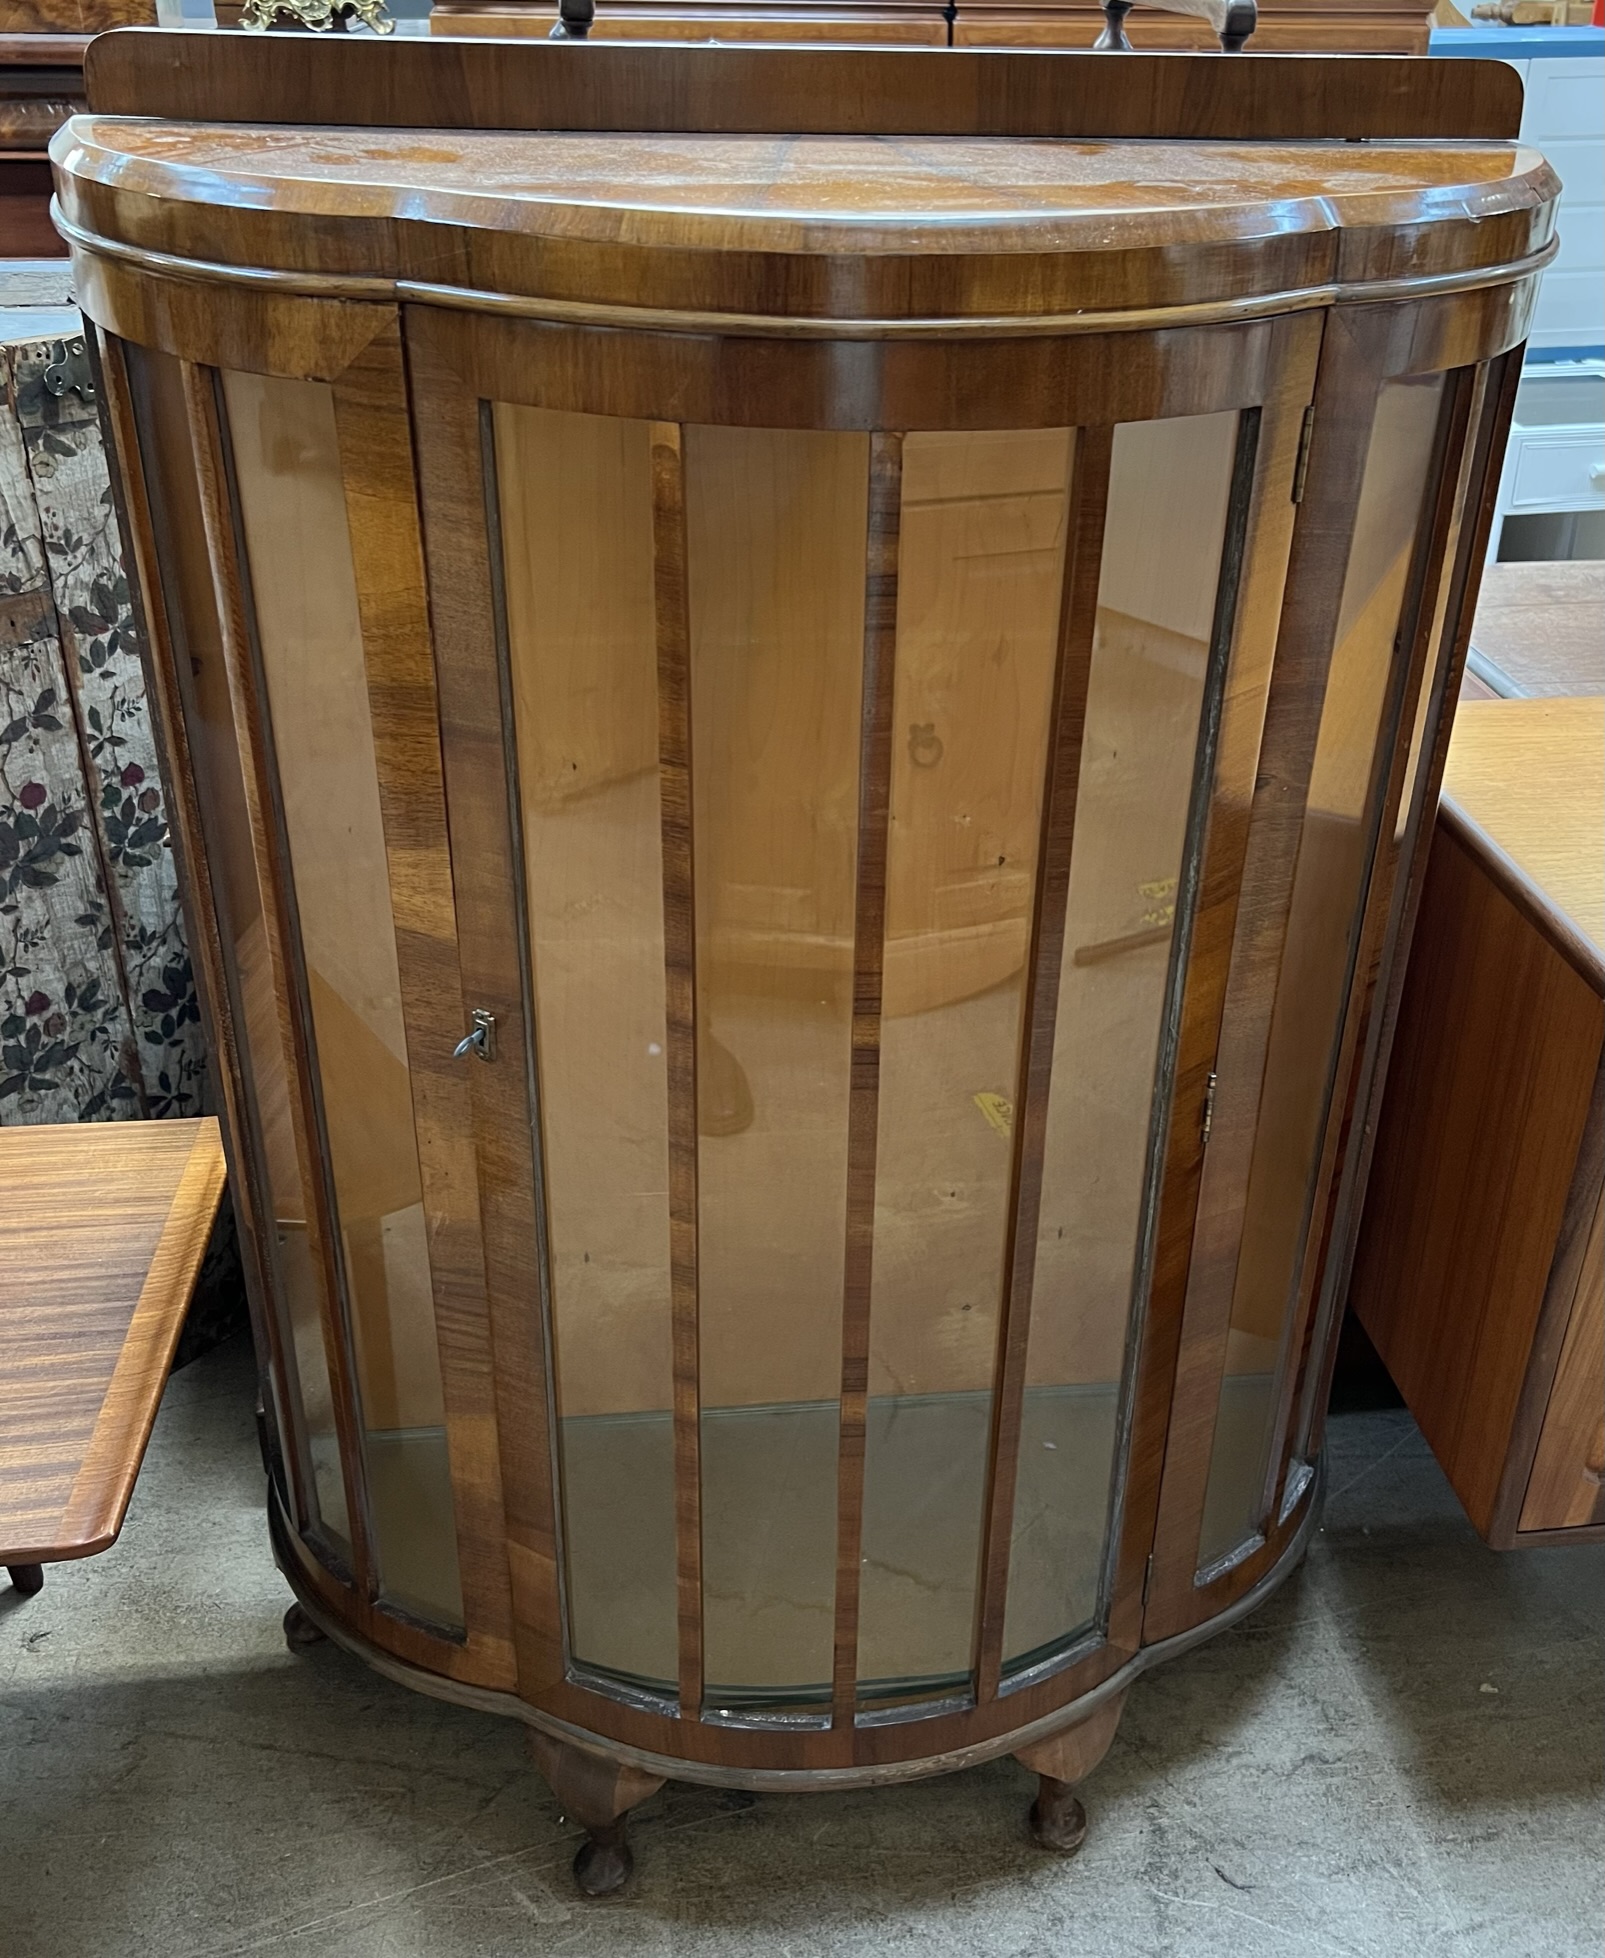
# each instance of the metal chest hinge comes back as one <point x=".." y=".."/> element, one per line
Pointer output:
<point x="1301" y="464"/>
<point x="1209" y="1111"/>
<point x="68" y="370"/>
<point x="480" y="1039"/>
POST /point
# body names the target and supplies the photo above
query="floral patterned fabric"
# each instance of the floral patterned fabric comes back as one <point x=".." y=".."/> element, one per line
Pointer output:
<point x="98" y="1016"/>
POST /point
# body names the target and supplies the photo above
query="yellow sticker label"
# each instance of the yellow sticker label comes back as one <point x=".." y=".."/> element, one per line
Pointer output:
<point x="998" y="1111"/>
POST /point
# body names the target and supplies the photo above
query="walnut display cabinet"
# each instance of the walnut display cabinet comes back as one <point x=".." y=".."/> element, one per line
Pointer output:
<point x="803" y="767"/>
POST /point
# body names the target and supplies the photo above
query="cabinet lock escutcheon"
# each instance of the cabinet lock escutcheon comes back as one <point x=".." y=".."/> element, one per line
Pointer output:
<point x="480" y="1038"/>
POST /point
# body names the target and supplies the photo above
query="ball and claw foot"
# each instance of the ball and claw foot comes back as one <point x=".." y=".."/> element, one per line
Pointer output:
<point x="300" y="1633"/>
<point x="1058" y="1821"/>
<point x="604" y="1863"/>
<point x="26" y="1579"/>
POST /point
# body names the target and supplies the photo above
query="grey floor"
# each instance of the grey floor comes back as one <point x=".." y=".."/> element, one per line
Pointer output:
<point x="1399" y="1754"/>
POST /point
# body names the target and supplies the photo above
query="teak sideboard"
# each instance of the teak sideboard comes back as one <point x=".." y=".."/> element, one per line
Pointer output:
<point x="803" y="766"/>
<point x="1480" y="1271"/>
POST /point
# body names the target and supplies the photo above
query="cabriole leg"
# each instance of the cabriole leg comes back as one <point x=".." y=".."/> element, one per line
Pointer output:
<point x="1058" y="1820"/>
<point x="598" y="1794"/>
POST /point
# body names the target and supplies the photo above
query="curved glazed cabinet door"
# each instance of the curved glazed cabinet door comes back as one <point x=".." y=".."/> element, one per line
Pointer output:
<point x="1391" y="525"/>
<point x="846" y="806"/>
<point x="304" y="706"/>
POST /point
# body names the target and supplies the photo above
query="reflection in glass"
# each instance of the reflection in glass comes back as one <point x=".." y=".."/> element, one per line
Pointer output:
<point x="215" y="756"/>
<point x="980" y="570"/>
<point x="1169" y="488"/>
<point x="305" y="606"/>
<point x="1328" y="901"/>
<point x="575" y="494"/>
<point x="775" y="540"/>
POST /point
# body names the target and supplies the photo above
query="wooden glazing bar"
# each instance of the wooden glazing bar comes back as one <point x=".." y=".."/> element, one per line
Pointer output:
<point x="671" y="600"/>
<point x="1078" y="620"/>
<point x="1254" y="541"/>
<point x="1417" y="623"/>
<point x="370" y="406"/>
<point x="1211" y="935"/>
<point x="457" y="488"/>
<point x="1338" y="447"/>
<point x="1479" y="496"/>
<point x="863" y="1112"/>
<point x="270" y="851"/>
<point x="160" y="648"/>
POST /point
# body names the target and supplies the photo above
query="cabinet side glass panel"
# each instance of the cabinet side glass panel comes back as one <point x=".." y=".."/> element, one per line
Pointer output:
<point x="1169" y="491"/>
<point x="980" y="574"/>
<point x="575" y="500"/>
<point x="214" y="746"/>
<point x="1328" y="900"/>
<point x="304" y="604"/>
<point x="776" y="528"/>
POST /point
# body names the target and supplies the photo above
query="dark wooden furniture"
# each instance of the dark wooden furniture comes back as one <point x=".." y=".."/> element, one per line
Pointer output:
<point x="41" y="84"/>
<point x="1479" y="1274"/>
<point x="42" y="45"/>
<point x="102" y="1228"/>
<point x="803" y="772"/>
<point x="1283" y="26"/>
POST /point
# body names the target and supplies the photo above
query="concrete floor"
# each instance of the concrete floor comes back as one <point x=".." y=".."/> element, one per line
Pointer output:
<point x="1398" y="1757"/>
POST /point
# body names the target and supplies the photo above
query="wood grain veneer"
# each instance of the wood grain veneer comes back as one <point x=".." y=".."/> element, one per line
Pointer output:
<point x="1284" y="26"/>
<point x="475" y="84"/>
<point x="772" y="637"/>
<point x="102" y="1230"/>
<point x="1477" y="1273"/>
<point x="1537" y="629"/>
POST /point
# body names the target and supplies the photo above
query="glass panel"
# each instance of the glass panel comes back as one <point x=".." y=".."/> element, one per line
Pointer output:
<point x="980" y="569"/>
<point x="776" y="533"/>
<point x="1169" y="488"/>
<point x="576" y="532"/>
<point x="304" y="597"/>
<point x="215" y="756"/>
<point x="1312" y="991"/>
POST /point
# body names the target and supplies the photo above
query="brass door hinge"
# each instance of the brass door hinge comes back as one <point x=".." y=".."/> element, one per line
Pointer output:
<point x="1301" y="463"/>
<point x="1209" y="1111"/>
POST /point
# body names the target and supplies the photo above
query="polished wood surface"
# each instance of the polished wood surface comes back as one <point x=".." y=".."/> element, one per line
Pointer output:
<point x="740" y="236"/>
<point x="849" y="672"/>
<point x="1540" y="629"/>
<point x="1283" y="27"/>
<point x="892" y="23"/>
<point x="1526" y="784"/>
<point x="102" y="1230"/>
<point x="474" y="84"/>
<point x="1477" y="1274"/>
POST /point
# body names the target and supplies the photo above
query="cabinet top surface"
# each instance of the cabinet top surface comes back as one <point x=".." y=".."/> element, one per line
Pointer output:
<point x="800" y="193"/>
<point x="849" y="227"/>
<point x="1530" y="775"/>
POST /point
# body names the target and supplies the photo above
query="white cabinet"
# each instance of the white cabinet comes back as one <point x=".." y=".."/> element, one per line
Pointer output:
<point x="1556" y="459"/>
<point x="1565" y="118"/>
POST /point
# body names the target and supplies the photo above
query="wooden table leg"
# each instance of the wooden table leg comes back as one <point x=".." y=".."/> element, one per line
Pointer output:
<point x="26" y="1578"/>
<point x="1058" y="1820"/>
<point x="598" y="1794"/>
